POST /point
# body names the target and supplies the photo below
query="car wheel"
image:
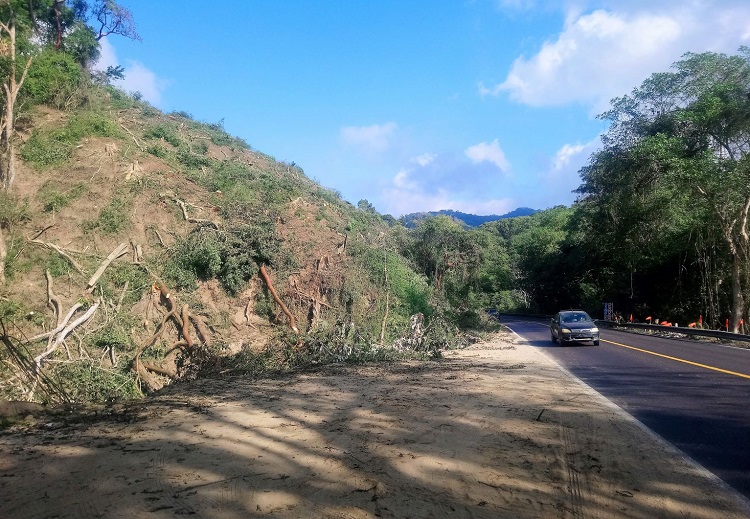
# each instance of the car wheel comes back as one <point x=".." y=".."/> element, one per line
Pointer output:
<point x="596" y="343"/>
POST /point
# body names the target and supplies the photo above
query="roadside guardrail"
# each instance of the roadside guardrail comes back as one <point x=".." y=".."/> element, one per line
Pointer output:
<point x="699" y="332"/>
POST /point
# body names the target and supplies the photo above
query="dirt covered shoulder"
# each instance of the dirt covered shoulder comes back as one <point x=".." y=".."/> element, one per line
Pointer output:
<point x="495" y="430"/>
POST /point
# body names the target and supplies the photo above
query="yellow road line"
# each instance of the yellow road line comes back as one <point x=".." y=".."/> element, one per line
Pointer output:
<point x="680" y="360"/>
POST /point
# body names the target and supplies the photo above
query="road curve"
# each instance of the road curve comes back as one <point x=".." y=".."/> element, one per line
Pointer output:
<point x="695" y="395"/>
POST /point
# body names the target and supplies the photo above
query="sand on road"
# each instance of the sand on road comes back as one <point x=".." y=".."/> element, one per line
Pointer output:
<point x="495" y="430"/>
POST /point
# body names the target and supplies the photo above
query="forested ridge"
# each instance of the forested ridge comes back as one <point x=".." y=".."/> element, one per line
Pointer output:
<point x="138" y="248"/>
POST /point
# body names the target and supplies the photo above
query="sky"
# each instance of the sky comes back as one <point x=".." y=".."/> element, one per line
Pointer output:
<point x="479" y="106"/>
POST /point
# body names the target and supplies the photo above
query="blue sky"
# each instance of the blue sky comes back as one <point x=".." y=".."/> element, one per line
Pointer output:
<point x="480" y="106"/>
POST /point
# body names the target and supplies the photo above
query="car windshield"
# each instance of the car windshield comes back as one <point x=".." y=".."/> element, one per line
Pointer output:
<point x="574" y="317"/>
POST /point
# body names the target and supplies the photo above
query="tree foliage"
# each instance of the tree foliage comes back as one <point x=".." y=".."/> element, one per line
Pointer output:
<point x="668" y="194"/>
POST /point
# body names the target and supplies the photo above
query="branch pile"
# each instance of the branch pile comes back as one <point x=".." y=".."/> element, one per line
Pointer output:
<point x="186" y="324"/>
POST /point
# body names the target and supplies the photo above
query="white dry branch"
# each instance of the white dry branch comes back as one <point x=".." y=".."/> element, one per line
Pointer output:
<point x="58" y="335"/>
<point x="61" y="252"/>
<point x="119" y="251"/>
<point x="185" y="215"/>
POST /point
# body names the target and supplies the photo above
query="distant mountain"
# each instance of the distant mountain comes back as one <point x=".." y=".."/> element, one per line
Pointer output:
<point x="471" y="220"/>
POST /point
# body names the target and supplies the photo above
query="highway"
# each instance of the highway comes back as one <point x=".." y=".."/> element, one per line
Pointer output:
<point x="695" y="395"/>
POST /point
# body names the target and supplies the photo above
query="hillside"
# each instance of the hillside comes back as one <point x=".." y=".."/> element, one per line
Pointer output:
<point x="192" y="220"/>
<point x="470" y="220"/>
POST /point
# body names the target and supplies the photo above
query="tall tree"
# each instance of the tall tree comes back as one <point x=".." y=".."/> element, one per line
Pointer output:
<point x="675" y="163"/>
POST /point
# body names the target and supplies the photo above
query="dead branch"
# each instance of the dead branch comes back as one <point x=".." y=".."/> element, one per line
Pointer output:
<point x="161" y="370"/>
<point x="202" y="329"/>
<point x="39" y="233"/>
<point x="119" y="251"/>
<point x="22" y="359"/>
<point x="185" y="325"/>
<point x="61" y="252"/>
<point x="247" y="310"/>
<point x="52" y="298"/>
<point x="56" y="341"/>
<point x="158" y="236"/>
<point x="267" y="279"/>
<point x="133" y="136"/>
<point x="137" y="252"/>
<point x="186" y="216"/>
<point x="145" y="376"/>
<point x="3" y="255"/>
<point x="122" y="296"/>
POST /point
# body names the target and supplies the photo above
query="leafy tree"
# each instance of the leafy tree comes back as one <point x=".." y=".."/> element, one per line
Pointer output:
<point x="112" y="18"/>
<point x="674" y="166"/>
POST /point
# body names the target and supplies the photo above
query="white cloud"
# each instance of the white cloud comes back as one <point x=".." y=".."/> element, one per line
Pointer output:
<point x="404" y="201"/>
<point x="433" y="182"/>
<point x="605" y="53"/>
<point x="488" y="152"/>
<point x="565" y="154"/>
<point x="563" y="174"/>
<point x="138" y="77"/>
<point x="370" y="140"/>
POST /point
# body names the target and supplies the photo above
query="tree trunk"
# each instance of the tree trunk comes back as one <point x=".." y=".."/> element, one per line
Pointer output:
<point x="3" y="255"/>
<point x="737" y="299"/>
<point x="8" y="124"/>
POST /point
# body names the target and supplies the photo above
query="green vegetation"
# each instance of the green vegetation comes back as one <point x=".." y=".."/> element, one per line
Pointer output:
<point x="113" y="218"/>
<point x="54" y="78"/>
<point x="49" y="148"/>
<point x="53" y="199"/>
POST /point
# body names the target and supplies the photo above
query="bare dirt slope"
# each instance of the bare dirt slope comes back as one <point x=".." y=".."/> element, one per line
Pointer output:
<point x="496" y="430"/>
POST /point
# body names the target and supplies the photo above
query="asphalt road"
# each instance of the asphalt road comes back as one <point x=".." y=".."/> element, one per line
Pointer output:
<point x="694" y="395"/>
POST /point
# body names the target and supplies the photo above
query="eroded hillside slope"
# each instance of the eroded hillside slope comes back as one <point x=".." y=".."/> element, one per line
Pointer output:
<point x="179" y="219"/>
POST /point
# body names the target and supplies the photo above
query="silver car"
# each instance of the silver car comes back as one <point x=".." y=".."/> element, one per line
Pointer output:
<point x="571" y="326"/>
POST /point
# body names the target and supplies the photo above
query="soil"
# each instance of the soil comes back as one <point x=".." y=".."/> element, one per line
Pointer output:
<point x="494" y="430"/>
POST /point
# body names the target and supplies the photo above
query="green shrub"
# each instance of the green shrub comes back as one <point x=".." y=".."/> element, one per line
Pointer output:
<point x="157" y="150"/>
<point x="232" y="256"/>
<point x="89" y="123"/>
<point x="221" y="138"/>
<point x="118" y="99"/>
<point x="164" y="131"/>
<point x="57" y="265"/>
<point x="42" y="150"/>
<point x="113" y="334"/>
<point x="52" y="76"/>
<point x="118" y="274"/>
<point x="13" y="210"/>
<point x="200" y="148"/>
<point x="191" y="160"/>
<point x="182" y="113"/>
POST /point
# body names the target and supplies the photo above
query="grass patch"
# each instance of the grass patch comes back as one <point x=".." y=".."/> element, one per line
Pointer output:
<point x="53" y="199"/>
<point x="113" y="218"/>
<point x="48" y="148"/>
<point x="165" y="132"/>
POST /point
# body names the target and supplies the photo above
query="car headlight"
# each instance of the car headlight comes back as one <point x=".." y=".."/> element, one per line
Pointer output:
<point x="594" y="330"/>
<point x="565" y="330"/>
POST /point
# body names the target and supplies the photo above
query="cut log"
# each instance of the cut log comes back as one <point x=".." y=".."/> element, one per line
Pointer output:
<point x="267" y="279"/>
